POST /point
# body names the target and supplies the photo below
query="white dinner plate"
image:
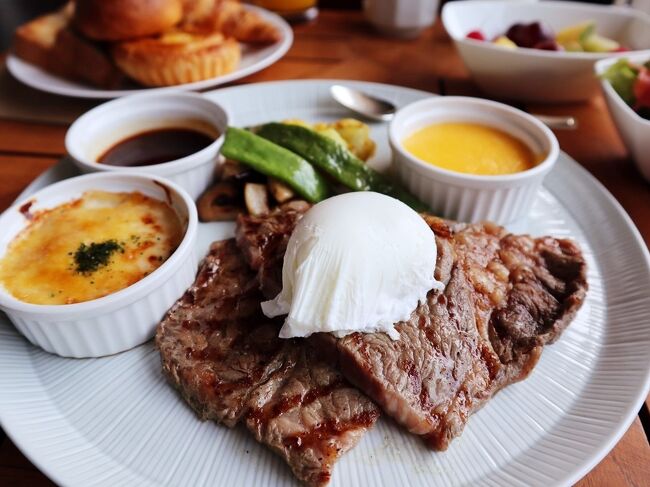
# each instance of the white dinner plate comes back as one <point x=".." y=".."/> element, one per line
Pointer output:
<point x="253" y="59"/>
<point x="115" y="421"/>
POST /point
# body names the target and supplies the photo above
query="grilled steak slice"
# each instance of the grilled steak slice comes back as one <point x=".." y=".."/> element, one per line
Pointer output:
<point x="213" y="345"/>
<point x="264" y="240"/>
<point x="506" y="296"/>
<point x="310" y="416"/>
<point x="228" y="363"/>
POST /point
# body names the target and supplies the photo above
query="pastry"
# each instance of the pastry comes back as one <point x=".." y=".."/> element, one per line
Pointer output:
<point x="231" y="18"/>
<point x="177" y="57"/>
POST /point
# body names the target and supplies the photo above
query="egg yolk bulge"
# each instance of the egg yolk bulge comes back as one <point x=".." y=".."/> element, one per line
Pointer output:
<point x="90" y="247"/>
<point x="471" y="148"/>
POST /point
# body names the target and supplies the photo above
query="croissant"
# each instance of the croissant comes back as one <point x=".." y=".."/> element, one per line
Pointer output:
<point x="230" y="18"/>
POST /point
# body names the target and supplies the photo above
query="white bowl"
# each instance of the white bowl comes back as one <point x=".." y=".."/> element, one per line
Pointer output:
<point x="634" y="130"/>
<point x="533" y="74"/>
<point x="466" y="197"/>
<point x="120" y="320"/>
<point x="92" y="134"/>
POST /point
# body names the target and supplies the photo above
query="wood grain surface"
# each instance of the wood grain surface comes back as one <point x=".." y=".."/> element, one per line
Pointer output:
<point x="341" y="45"/>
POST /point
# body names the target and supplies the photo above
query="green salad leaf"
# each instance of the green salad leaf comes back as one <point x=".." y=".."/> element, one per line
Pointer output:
<point x="622" y="75"/>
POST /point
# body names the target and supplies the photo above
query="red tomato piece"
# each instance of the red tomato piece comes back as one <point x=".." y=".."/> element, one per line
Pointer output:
<point x="477" y="35"/>
<point x="642" y="89"/>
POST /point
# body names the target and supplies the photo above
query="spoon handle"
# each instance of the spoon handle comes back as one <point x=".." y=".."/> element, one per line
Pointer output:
<point x="557" y="122"/>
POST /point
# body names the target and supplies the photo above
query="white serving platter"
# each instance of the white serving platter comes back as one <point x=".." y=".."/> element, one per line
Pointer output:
<point x="115" y="421"/>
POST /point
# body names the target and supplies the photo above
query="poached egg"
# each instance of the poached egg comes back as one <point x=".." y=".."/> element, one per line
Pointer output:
<point x="356" y="262"/>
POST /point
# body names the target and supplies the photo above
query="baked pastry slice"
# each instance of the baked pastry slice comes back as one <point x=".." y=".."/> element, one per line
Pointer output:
<point x="177" y="57"/>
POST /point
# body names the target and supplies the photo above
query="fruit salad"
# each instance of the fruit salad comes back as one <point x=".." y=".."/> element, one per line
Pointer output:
<point x="632" y="83"/>
<point x="580" y="37"/>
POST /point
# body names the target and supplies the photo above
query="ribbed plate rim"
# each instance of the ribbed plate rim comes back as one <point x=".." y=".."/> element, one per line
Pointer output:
<point x="568" y="166"/>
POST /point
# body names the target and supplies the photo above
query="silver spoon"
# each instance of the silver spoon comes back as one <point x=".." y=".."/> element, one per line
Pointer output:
<point x="363" y="104"/>
<point x="382" y="110"/>
<point x="559" y="122"/>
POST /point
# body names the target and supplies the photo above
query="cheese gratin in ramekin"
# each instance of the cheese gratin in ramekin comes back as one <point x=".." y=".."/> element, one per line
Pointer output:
<point x="117" y="321"/>
<point x="468" y="197"/>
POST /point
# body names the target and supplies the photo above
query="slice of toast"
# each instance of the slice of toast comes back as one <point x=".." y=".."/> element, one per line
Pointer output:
<point x="35" y="40"/>
<point x="80" y="59"/>
<point x="49" y="43"/>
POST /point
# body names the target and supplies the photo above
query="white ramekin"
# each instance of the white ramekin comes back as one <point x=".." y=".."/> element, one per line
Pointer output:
<point x="468" y="197"/>
<point x="120" y="320"/>
<point x="99" y="129"/>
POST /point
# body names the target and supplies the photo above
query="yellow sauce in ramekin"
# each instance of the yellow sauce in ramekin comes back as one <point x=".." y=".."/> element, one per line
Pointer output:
<point x="471" y="148"/>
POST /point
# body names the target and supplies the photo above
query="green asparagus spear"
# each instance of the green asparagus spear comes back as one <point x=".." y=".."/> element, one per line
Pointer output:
<point x="335" y="160"/>
<point x="275" y="161"/>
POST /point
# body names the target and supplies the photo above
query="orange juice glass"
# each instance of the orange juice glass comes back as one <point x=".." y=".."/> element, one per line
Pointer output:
<point x="294" y="10"/>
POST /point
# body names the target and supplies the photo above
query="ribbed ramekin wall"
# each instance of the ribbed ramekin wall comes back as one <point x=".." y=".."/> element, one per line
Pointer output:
<point x="468" y="204"/>
<point x="113" y="331"/>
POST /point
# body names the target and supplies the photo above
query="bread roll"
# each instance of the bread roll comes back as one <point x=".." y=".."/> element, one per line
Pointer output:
<point x="117" y="20"/>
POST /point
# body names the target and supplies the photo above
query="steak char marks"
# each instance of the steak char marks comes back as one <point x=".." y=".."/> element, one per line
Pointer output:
<point x="506" y="296"/>
<point x="228" y="363"/>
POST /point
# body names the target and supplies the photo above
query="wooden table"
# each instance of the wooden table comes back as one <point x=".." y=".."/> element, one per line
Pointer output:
<point x="341" y="45"/>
